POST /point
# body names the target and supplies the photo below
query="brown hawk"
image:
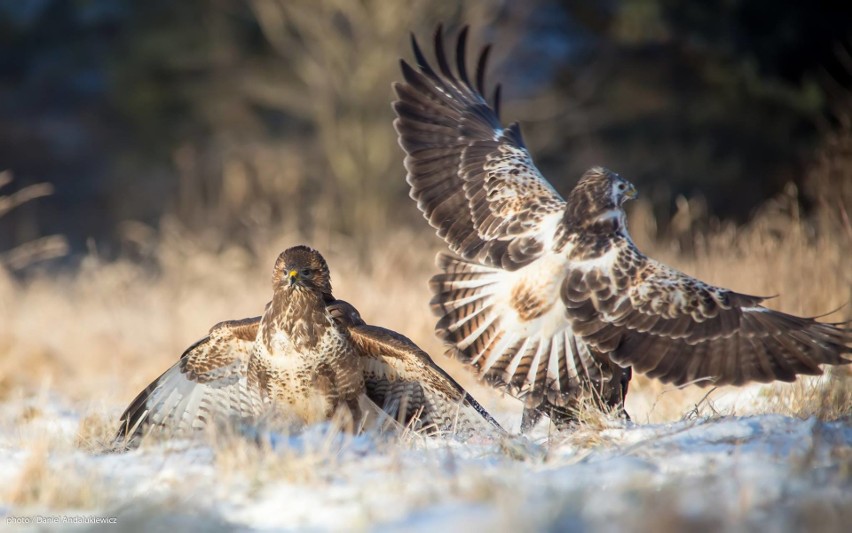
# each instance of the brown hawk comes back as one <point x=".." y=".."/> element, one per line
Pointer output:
<point x="550" y="298"/>
<point x="309" y="356"/>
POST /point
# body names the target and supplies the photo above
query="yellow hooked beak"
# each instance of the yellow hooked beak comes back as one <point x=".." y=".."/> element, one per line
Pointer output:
<point x="631" y="193"/>
<point x="293" y="276"/>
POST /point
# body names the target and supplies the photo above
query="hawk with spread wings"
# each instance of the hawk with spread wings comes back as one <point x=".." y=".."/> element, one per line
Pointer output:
<point x="309" y="356"/>
<point x="549" y="297"/>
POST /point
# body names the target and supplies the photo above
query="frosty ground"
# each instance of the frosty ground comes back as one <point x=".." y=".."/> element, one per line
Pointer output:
<point x="712" y="469"/>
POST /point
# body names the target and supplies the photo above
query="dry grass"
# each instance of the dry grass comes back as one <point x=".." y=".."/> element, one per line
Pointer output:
<point x="106" y="331"/>
<point x="30" y="252"/>
<point x="46" y="485"/>
<point x="829" y="398"/>
<point x="102" y="333"/>
<point x="45" y="480"/>
<point x="96" y="431"/>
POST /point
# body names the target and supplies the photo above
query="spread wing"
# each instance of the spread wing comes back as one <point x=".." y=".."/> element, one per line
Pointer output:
<point x="209" y="381"/>
<point x="519" y="338"/>
<point x="404" y="381"/>
<point x="678" y="329"/>
<point x="473" y="179"/>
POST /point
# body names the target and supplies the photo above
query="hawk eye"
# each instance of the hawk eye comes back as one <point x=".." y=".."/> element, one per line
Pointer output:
<point x="621" y="186"/>
<point x="306" y="272"/>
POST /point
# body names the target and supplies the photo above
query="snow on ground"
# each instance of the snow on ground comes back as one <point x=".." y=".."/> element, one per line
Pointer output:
<point x="760" y="473"/>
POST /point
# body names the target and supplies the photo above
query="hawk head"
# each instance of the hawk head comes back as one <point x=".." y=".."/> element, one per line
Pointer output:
<point x="595" y="204"/>
<point x="301" y="267"/>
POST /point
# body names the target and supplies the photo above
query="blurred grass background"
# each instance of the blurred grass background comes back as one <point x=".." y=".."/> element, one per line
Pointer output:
<point x="159" y="155"/>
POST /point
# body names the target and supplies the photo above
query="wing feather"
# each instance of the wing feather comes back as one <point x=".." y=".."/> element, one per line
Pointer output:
<point x="403" y="380"/>
<point x="209" y="381"/>
<point x="679" y="329"/>
<point x="473" y="179"/>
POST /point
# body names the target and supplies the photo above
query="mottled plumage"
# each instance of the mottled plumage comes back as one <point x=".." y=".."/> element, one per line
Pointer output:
<point x="550" y="298"/>
<point x="208" y="381"/>
<point x="669" y="325"/>
<point x="309" y="356"/>
<point x="404" y="381"/>
<point x="303" y="359"/>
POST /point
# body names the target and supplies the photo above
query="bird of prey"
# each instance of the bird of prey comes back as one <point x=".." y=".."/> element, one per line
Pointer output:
<point x="550" y="298"/>
<point x="309" y="356"/>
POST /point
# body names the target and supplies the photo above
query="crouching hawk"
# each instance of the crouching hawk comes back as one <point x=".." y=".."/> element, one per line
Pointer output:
<point x="550" y="298"/>
<point x="309" y="356"/>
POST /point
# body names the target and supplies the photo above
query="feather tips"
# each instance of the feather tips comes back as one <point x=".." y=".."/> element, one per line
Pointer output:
<point x="403" y="380"/>
<point x="680" y="330"/>
<point x="209" y="379"/>
<point x="440" y="111"/>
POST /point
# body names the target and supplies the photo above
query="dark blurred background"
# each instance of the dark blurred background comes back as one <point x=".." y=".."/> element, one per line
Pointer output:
<point x="228" y="115"/>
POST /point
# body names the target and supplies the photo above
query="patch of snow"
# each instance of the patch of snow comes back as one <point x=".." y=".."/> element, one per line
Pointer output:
<point x="767" y="472"/>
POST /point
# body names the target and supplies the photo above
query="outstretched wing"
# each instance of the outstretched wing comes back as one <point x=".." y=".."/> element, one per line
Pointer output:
<point x="473" y="179"/>
<point x="678" y="329"/>
<point x="209" y="381"/>
<point x="404" y="381"/>
<point x="518" y="337"/>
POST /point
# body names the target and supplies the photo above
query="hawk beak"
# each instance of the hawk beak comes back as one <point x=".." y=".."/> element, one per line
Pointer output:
<point x="631" y="193"/>
<point x="293" y="276"/>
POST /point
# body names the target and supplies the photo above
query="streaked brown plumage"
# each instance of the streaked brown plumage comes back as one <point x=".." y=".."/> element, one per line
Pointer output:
<point x="550" y="298"/>
<point x="669" y="325"/>
<point x="309" y="356"/>
<point x="209" y="380"/>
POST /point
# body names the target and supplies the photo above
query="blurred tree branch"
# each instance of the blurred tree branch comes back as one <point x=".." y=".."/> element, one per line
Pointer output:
<point x="36" y="250"/>
<point x="30" y="192"/>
